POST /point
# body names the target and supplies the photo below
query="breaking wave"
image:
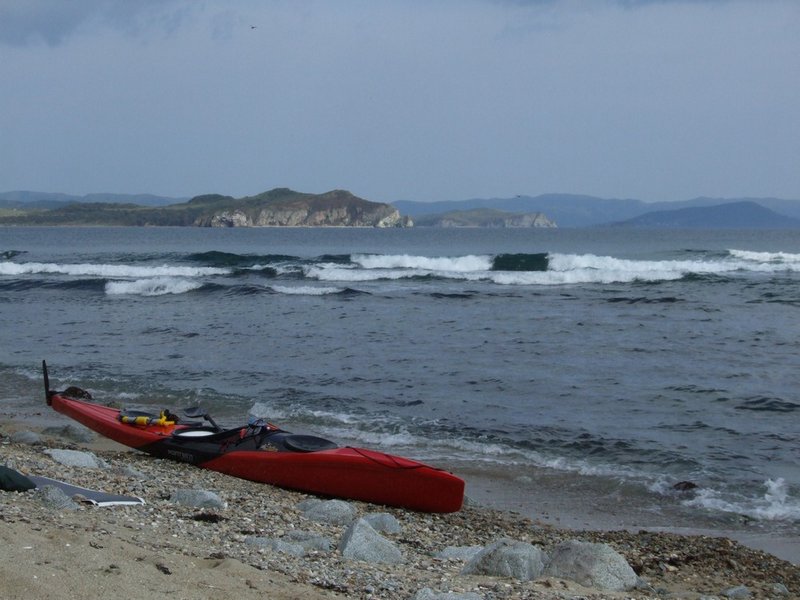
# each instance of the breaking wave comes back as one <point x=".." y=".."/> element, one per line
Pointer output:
<point x="307" y="290"/>
<point x="107" y="270"/>
<point x="775" y="505"/>
<point x="767" y="258"/>
<point x="458" y="264"/>
<point x="523" y="269"/>
<point x="155" y="286"/>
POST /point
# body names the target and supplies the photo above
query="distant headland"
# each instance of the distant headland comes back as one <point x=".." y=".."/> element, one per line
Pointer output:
<point x="280" y="207"/>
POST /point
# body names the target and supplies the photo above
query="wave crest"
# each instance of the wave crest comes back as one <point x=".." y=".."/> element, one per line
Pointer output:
<point x="107" y="270"/>
<point x="155" y="286"/>
<point x="774" y="258"/>
<point x="456" y="264"/>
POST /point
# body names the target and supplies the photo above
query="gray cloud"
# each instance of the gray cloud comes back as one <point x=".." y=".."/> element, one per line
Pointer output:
<point x="54" y="21"/>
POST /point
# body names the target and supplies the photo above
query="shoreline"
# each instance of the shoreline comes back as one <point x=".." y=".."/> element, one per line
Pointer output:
<point x="206" y="559"/>
<point x="608" y="515"/>
<point x="549" y="504"/>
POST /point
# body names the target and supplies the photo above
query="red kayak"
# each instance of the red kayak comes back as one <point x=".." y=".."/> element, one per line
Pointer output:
<point x="262" y="452"/>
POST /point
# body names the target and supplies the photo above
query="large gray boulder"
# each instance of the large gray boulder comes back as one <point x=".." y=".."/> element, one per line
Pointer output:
<point x="591" y="565"/>
<point x="507" y="558"/>
<point x="362" y="542"/>
<point x="383" y="522"/>
<point x="335" y="512"/>
<point x="76" y="458"/>
<point x="55" y="498"/>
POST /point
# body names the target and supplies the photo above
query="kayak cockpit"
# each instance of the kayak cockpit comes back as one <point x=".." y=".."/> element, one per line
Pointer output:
<point x="194" y="432"/>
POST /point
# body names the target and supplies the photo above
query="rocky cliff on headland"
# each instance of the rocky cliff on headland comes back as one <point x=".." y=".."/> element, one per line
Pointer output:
<point x="285" y="208"/>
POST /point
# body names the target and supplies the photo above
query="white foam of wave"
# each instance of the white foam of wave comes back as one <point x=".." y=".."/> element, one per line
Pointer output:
<point x="342" y="274"/>
<point x="306" y="290"/>
<point x="563" y="269"/>
<point x="606" y="269"/>
<point x="400" y="439"/>
<point x="770" y="258"/>
<point x="775" y="505"/>
<point x="590" y="268"/>
<point x="455" y="264"/>
<point x="153" y="286"/>
<point x="578" y="276"/>
<point x="596" y="470"/>
<point x="372" y="267"/>
<point x="345" y="426"/>
<point x="342" y="425"/>
<point x="423" y="448"/>
<point x="106" y="270"/>
<point x="445" y="448"/>
<point x="263" y="410"/>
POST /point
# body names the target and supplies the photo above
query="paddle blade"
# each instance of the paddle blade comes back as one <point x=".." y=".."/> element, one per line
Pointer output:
<point x="46" y="383"/>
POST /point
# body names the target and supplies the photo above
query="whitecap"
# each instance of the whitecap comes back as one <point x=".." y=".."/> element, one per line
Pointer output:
<point x="771" y="258"/>
<point x="306" y="290"/>
<point x="340" y="274"/>
<point x="155" y="286"/>
<point x="458" y="264"/>
<point x="107" y="270"/>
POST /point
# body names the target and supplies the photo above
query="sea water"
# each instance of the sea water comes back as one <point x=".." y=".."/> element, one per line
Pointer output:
<point x="572" y="375"/>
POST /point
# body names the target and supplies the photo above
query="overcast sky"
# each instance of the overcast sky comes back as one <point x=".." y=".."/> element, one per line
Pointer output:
<point x="402" y="99"/>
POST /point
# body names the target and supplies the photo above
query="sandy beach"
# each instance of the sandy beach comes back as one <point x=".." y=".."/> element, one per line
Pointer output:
<point x="164" y="548"/>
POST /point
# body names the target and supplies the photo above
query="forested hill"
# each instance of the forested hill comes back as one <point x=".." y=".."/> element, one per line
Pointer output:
<point x="277" y="207"/>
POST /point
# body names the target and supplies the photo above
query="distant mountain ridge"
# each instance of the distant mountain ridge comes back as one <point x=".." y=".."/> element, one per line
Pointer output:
<point x="27" y="199"/>
<point x="731" y="215"/>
